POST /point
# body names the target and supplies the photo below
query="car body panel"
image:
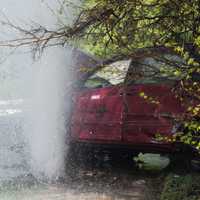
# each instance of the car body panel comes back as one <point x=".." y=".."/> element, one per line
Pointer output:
<point x="150" y="113"/>
<point x="97" y="115"/>
<point x="120" y="115"/>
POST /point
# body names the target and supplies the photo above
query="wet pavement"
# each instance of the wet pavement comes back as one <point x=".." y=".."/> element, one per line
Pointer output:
<point x="62" y="193"/>
<point x="118" y="180"/>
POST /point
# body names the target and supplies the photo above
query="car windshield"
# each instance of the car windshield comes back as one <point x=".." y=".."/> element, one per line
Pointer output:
<point x="160" y="69"/>
<point x="113" y="74"/>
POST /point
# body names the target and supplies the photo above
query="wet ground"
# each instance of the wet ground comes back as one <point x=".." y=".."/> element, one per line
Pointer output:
<point x="110" y="181"/>
<point x="116" y="180"/>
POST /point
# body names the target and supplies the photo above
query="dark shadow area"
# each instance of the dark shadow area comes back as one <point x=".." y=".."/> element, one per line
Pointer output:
<point x="115" y="173"/>
<point x="112" y="173"/>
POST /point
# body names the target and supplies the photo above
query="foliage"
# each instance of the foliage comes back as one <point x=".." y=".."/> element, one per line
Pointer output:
<point x="181" y="187"/>
<point x="123" y="26"/>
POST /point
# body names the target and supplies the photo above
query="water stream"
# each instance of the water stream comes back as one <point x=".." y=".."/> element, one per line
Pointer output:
<point x="34" y="99"/>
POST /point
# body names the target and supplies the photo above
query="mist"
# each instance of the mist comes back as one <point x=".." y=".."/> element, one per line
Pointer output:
<point x="43" y="84"/>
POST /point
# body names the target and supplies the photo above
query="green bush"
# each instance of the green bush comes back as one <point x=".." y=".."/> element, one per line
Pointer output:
<point x="181" y="187"/>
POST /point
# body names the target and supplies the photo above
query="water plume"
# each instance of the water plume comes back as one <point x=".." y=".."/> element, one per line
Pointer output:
<point x="47" y="115"/>
<point x="42" y="84"/>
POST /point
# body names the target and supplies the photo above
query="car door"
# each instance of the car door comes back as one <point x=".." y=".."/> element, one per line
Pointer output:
<point x="150" y="103"/>
<point x="98" y="107"/>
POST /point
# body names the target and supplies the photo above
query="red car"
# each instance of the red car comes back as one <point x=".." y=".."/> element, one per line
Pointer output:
<point x="126" y="104"/>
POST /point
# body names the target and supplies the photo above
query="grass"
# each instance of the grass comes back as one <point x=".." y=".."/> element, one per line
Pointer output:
<point x="181" y="187"/>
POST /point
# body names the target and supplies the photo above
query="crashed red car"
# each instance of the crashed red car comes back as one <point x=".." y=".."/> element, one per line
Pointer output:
<point x="126" y="104"/>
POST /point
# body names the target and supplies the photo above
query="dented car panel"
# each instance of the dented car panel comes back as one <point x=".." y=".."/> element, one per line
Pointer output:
<point x="149" y="111"/>
<point x="97" y="115"/>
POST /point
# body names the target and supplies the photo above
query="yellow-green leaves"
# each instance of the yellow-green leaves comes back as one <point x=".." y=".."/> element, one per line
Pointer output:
<point x="149" y="99"/>
<point x="197" y="41"/>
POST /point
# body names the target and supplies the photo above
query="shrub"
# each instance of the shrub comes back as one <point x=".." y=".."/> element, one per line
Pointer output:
<point x="185" y="187"/>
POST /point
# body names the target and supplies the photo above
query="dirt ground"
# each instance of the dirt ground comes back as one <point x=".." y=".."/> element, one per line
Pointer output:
<point x="110" y="179"/>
